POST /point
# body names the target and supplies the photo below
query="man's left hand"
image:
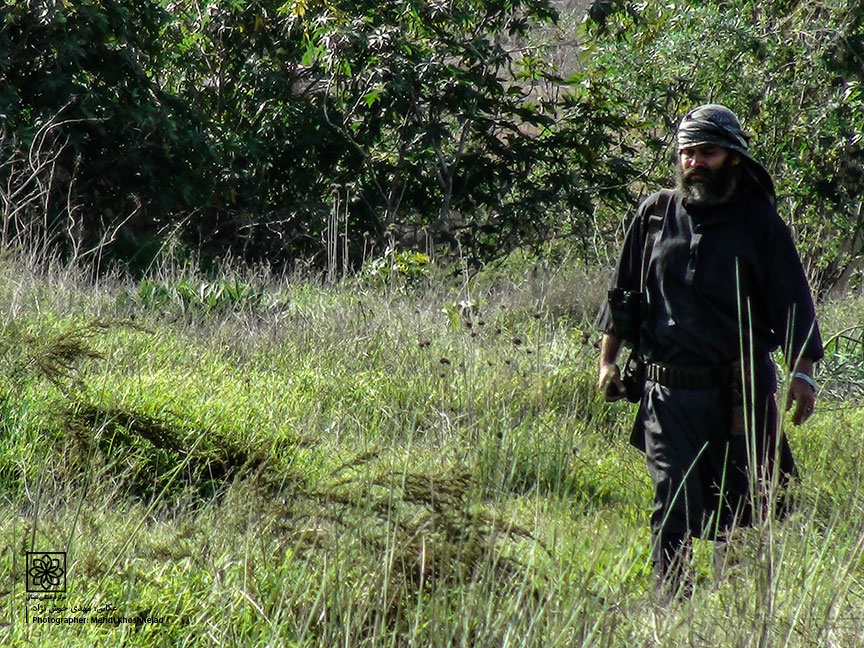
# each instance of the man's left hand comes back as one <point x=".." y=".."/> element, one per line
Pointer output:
<point x="804" y="396"/>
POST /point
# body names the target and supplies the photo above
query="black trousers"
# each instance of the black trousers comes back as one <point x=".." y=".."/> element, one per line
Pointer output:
<point x="705" y="473"/>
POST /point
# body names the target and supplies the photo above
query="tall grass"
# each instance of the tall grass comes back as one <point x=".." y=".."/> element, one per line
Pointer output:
<point x="273" y="462"/>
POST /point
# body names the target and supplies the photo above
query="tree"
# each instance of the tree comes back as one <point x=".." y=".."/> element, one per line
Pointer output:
<point x="791" y="70"/>
<point x="449" y="122"/>
<point x="240" y="64"/>
<point x="126" y="148"/>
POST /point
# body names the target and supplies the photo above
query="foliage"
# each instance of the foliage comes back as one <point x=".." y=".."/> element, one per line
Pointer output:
<point x="199" y="296"/>
<point x="842" y="369"/>
<point x="240" y="64"/>
<point x="411" y="266"/>
<point x="248" y="125"/>
<point x="791" y="71"/>
<point x="458" y="127"/>
<point x="323" y="131"/>
<point x="81" y="76"/>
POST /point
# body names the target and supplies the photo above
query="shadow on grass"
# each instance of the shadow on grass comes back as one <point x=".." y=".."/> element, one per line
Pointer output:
<point x="144" y="453"/>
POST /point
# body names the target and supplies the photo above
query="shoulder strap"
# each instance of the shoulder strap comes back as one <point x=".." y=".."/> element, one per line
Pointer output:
<point x="655" y="221"/>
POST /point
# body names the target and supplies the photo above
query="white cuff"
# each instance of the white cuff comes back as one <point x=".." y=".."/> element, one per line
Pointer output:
<point x="806" y="379"/>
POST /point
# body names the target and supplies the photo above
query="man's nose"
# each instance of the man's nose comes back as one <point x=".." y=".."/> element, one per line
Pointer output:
<point x="694" y="160"/>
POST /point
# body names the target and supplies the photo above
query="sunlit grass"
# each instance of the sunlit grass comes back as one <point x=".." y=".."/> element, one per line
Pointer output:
<point x="423" y="465"/>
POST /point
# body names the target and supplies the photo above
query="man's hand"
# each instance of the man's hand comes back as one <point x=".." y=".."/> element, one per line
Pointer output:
<point x="609" y="382"/>
<point x="802" y="393"/>
<point x="609" y="378"/>
<point x="804" y="397"/>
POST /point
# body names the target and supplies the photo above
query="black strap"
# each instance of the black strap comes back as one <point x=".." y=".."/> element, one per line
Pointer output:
<point x="656" y="217"/>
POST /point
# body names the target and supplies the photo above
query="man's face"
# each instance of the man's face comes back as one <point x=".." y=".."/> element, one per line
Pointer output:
<point x="707" y="174"/>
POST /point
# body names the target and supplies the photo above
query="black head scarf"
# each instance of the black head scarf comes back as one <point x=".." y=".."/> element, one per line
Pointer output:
<point x="717" y="125"/>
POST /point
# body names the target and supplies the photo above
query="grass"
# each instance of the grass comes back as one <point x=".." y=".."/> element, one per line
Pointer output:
<point x="272" y="462"/>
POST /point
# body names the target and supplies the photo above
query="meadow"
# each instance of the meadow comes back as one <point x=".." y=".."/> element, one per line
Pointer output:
<point x="260" y="460"/>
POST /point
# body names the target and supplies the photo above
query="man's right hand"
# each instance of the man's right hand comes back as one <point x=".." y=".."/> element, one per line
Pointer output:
<point x="609" y="382"/>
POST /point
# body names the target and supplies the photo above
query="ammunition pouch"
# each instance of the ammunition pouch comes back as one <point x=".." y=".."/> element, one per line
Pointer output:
<point x="694" y="377"/>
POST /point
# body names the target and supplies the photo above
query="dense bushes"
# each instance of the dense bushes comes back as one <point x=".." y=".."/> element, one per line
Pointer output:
<point x="301" y="129"/>
<point x="323" y="130"/>
<point x="80" y="85"/>
<point x="791" y="70"/>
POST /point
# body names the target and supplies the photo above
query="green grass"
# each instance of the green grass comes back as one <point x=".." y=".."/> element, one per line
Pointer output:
<point x="374" y="464"/>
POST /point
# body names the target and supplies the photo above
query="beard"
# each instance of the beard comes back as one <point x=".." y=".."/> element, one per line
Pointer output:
<point x="704" y="187"/>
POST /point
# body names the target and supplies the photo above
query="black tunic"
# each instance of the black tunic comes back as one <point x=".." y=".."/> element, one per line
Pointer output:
<point x="722" y="284"/>
<point x="719" y="282"/>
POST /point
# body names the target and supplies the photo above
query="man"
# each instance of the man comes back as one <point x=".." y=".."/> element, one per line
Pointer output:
<point x="708" y="285"/>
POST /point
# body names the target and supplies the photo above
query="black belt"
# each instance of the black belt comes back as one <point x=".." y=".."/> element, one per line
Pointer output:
<point x="690" y="377"/>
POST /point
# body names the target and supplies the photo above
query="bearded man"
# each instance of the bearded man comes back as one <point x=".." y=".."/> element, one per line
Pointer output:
<point x="709" y="284"/>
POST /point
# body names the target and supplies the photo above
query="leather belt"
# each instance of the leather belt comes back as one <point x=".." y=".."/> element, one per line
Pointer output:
<point x="690" y="377"/>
